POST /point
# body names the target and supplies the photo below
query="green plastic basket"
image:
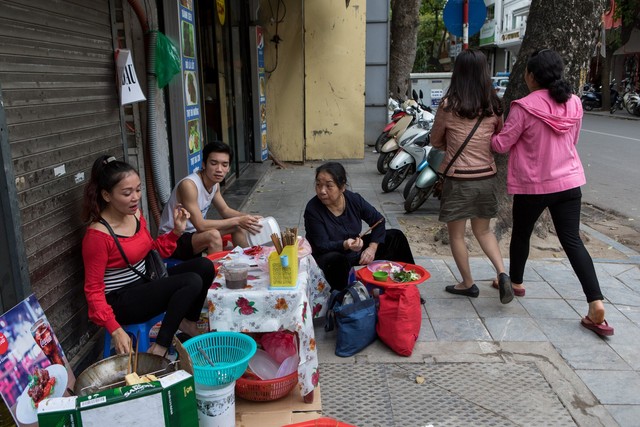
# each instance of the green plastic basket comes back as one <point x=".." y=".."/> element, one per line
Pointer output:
<point x="229" y="351"/>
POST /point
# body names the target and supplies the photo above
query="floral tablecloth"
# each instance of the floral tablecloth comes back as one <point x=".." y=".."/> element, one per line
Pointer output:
<point x="256" y="308"/>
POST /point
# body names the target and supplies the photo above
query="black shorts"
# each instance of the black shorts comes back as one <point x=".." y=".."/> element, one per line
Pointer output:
<point x="184" y="248"/>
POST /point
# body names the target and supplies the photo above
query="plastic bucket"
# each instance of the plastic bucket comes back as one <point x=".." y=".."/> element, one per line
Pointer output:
<point x="216" y="405"/>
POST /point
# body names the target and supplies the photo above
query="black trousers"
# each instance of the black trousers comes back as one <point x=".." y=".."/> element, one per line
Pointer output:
<point x="564" y="207"/>
<point x="181" y="296"/>
<point x="336" y="265"/>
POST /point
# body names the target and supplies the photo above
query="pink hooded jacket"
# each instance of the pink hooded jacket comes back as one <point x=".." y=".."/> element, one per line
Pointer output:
<point x="541" y="136"/>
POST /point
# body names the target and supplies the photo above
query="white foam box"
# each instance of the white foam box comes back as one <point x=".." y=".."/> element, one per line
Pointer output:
<point x="169" y="402"/>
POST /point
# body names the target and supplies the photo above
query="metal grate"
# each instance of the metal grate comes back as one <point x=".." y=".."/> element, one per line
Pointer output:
<point x="454" y="394"/>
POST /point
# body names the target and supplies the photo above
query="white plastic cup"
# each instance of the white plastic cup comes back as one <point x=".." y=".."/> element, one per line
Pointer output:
<point x="216" y="405"/>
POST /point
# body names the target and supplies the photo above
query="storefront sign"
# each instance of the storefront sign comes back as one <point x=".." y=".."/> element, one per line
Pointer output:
<point x="488" y="33"/>
<point x="32" y="363"/>
<point x="193" y="134"/>
<point x="130" y="90"/>
<point x="221" y="10"/>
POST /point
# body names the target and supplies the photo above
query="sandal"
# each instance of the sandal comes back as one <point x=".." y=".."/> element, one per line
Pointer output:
<point x="603" y="329"/>
<point x="519" y="292"/>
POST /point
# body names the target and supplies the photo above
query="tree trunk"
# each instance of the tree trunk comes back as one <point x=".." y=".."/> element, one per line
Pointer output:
<point x="405" y="20"/>
<point x="565" y="26"/>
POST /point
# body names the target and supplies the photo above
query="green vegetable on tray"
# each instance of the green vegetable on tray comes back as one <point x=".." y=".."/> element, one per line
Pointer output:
<point x="402" y="275"/>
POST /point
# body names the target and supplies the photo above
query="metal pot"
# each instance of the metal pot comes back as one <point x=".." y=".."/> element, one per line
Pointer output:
<point x="109" y="373"/>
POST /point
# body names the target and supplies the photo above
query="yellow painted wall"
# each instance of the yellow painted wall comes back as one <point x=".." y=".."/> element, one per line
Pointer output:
<point x="335" y="39"/>
<point x="285" y="85"/>
<point x="315" y="96"/>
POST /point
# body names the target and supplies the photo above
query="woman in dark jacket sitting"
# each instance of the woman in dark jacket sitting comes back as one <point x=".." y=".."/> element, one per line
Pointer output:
<point x="333" y="223"/>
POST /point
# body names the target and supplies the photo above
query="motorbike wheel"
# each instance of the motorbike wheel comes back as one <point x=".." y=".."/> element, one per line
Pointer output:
<point x="384" y="137"/>
<point x="383" y="161"/>
<point x="409" y="185"/>
<point x="417" y="196"/>
<point x="394" y="177"/>
<point x="613" y="108"/>
<point x="586" y="105"/>
<point x="630" y="107"/>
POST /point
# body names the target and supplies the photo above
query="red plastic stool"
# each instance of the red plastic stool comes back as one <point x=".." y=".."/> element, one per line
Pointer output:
<point x="227" y="239"/>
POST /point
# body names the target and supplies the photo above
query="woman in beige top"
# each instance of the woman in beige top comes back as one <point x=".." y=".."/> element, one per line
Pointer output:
<point x="470" y="186"/>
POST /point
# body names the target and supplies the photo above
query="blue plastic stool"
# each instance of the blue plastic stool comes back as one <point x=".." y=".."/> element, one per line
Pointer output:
<point x="139" y="328"/>
<point x="171" y="262"/>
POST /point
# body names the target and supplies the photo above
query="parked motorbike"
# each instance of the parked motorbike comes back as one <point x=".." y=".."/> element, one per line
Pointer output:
<point x="631" y="99"/>
<point x="592" y="98"/>
<point x="417" y="113"/>
<point x="421" y="185"/>
<point x="616" y="101"/>
<point x="397" y="113"/>
<point x="411" y="153"/>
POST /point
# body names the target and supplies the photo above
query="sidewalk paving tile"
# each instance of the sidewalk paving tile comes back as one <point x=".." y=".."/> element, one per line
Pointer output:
<point x="612" y="387"/>
<point x="492" y="307"/>
<point x="548" y="309"/>
<point x="470" y="329"/>
<point x="598" y="356"/>
<point x="625" y="415"/>
<point x="514" y="329"/>
<point x="450" y="308"/>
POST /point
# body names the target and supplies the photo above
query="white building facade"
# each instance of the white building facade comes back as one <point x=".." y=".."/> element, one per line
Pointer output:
<point x="503" y="31"/>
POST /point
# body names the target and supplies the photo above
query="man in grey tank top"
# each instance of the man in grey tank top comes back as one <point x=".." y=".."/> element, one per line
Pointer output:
<point x="196" y="193"/>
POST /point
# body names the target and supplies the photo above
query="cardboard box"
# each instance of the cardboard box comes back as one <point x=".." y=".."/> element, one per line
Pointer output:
<point x="288" y="410"/>
<point x="169" y="402"/>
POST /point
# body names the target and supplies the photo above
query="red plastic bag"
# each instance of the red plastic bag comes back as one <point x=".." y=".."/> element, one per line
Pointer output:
<point x="279" y="345"/>
<point x="399" y="318"/>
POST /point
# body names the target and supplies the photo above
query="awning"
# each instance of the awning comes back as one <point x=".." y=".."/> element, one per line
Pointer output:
<point x="632" y="46"/>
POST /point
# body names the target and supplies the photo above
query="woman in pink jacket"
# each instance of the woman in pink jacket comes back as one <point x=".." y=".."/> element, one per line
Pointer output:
<point x="469" y="192"/>
<point x="545" y="171"/>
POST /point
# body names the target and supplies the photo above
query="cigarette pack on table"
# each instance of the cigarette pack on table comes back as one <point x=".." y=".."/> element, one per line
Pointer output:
<point x="283" y="268"/>
<point x="169" y="402"/>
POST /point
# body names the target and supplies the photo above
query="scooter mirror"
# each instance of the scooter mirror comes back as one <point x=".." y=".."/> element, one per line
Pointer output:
<point x="421" y="94"/>
<point x="414" y="95"/>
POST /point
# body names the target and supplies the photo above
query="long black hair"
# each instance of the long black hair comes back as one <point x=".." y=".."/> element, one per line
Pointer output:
<point x="471" y="92"/>
<point x="547" y="68"/>
<point x="106" y="173"/>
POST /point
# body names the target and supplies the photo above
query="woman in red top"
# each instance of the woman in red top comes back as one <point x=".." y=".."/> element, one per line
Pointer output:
<point x="115" y="294"/>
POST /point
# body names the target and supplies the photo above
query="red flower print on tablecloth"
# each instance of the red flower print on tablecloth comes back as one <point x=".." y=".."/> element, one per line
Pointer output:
<point x="316" y="310"/>
<point x="315" y="377"/>
<point x="281" y="304"/>
<point x="215" y="285"/>
<point x="245" y="306"/>
<point x="304" y="312"/>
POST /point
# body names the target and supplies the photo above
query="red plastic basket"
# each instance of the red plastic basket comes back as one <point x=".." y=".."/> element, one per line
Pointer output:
<point x="250" y="387"/>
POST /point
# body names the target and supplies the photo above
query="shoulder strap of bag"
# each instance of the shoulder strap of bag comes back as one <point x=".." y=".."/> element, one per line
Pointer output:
<point x="464" y="144"/>
<point x="124" y="256"/>
<point x="330" y="316"/>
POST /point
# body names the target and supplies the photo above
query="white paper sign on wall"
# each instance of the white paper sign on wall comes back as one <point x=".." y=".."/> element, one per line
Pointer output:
<point x="130" y="90"/>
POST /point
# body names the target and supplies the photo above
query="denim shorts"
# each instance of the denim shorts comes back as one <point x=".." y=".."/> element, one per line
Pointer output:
<point x="468" y="198"/>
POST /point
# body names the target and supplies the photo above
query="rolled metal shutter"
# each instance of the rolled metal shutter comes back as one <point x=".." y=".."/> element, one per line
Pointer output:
<point x="58" y="80"/>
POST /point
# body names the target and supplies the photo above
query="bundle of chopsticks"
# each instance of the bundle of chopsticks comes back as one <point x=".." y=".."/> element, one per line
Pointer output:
<point x="288" y="238"/>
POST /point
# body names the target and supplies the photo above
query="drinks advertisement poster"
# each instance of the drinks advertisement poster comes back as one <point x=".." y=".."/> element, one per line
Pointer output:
<point x="193" y="135"/>
<point x="262" y="100"/>
<point x="33" y="366"/>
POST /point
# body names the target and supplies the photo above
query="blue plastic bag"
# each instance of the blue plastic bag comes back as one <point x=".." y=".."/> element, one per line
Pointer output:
<point x="355" y="321"/>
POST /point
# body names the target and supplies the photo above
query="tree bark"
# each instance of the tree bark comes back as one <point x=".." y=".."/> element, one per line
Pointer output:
<point x="404" y="38"/>
<point x="565" y="26"/>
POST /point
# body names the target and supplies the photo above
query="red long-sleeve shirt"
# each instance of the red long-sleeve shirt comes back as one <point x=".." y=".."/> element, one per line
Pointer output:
<point x="99" y="253"/>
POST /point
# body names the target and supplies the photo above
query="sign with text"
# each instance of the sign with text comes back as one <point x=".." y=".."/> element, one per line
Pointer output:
<point x="130" y="90"/>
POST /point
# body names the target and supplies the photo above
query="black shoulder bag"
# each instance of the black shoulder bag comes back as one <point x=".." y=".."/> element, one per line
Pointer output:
<point x="437" y="187"/>
<point x="155" y="266"/>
